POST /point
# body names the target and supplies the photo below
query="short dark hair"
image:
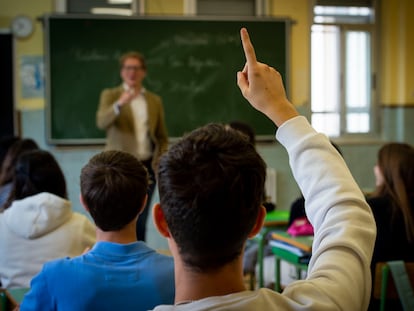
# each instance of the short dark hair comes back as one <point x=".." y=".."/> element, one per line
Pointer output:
<point x="246" y="129"/>
<point x="113" y="186"/>
<point x="133" y="54"/>
<point x="36" y="171"/>
<point x="211" y="187"/>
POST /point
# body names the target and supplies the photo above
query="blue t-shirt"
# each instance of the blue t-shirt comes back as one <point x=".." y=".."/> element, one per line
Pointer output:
<point x="111" y="276"/>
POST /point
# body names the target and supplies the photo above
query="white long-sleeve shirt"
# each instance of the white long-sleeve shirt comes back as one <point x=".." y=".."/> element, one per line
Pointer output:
<point x="339" y="270"/>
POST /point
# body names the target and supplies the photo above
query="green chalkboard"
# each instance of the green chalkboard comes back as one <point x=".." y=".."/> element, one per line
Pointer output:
<point x="192" y="65"/>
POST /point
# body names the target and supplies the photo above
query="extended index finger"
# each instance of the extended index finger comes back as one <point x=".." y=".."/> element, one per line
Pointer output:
<point x="248" y="47"/>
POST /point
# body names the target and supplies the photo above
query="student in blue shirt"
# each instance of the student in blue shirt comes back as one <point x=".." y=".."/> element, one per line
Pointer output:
<point x="119" y="272"/>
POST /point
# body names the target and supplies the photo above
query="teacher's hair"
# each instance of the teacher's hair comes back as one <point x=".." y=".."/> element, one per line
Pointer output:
<point x="133" y="54"/>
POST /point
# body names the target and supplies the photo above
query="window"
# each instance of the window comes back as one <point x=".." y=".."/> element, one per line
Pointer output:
<point x="107" y="7"/>
<point x="342" y="87"/>
<point x="226" y="7"/>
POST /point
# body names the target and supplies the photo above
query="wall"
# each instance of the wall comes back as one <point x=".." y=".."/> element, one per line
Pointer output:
<point x="30" y="46"/>
<point x="397" y="50"/>
<point x="396" y="70"/>
<point x="164" y="7"/>
<point x="299" y="12"/>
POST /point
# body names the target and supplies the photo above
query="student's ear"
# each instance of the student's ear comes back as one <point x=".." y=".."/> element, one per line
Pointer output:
<point x="82" y="201"/>
<point x="144" y="203"/>
<point x="259" y="222"/>
<point x="159" y="221"/>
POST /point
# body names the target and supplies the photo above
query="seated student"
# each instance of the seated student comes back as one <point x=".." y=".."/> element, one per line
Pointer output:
<point x="38" y="223"/>
<point x="393" y="204"/>
<point x="8" y="164"/>
<point x="118" y="273"/>
<point x="213" y="175"/>
<point x="5" y="143"/>
<point x="297" y="208"/>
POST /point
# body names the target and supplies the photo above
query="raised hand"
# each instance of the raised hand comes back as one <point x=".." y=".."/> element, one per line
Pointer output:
<point x="262" y="86"/>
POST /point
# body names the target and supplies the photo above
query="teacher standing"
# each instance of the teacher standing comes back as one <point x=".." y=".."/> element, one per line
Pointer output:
<point x="133" y="119"/>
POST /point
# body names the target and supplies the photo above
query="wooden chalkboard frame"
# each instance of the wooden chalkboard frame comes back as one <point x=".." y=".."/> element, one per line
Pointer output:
<point x="52" y="102"/>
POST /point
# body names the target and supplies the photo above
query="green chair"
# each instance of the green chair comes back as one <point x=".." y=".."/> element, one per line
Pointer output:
<point x="394" y="280"/>
<point x="277" y="219"/>
<point x="7" y="303"/>
<point x="11" y="298"/>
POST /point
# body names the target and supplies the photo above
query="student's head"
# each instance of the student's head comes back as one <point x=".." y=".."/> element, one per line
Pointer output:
<point x="36" y="171"/>
<point x="133" y="68"/>
<point x="8" y="165"/>
<point x="244" y="128"/>
<point x="114" y="189"/>
<point x="394" y="173"/>
<point x="394" y="170"/>
<point x="5" y="144"/>
<point x="211" y="187"/>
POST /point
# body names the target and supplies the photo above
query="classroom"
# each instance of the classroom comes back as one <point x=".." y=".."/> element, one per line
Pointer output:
<point x="388" y="29"/>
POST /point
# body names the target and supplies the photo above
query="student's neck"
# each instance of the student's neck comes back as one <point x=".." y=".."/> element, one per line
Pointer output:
<point x="191" y="285"/>
<point x="124" y="236"/>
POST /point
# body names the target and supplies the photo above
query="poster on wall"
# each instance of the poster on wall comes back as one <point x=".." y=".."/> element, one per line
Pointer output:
<point x="32" y="76"/>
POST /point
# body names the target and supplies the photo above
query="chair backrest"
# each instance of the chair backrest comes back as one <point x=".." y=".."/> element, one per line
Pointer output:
<point x="384" y="286"/>
<point x="7" y="302"/>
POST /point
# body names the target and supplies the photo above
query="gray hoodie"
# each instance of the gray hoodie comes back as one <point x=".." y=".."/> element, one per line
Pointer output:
<point x="37" y="229"/>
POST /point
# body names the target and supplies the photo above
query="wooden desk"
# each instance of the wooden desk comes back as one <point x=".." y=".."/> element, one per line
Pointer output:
<point x="276" y="219"/>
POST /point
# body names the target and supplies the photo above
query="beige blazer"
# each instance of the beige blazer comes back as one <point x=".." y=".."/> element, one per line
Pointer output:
<point x="120" y="131"/>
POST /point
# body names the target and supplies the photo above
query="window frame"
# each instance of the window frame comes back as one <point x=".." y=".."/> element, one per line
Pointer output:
<point x="343" y="110"/>
<point x="261" y="7"/>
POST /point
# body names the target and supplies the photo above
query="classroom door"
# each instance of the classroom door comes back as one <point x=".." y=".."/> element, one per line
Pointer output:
<point x="7" y="113"/>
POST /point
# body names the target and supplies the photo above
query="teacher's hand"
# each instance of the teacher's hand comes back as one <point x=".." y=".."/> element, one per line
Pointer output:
<point x="126" y="97"/>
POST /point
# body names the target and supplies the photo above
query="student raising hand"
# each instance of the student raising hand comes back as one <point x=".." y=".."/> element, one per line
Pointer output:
<point x="262" y="86"/>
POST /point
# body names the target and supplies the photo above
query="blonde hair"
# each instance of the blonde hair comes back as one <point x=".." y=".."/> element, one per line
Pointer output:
<point x="133" y="54"/>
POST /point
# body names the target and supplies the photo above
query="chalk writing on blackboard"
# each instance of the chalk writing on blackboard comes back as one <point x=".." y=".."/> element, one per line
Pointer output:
<point x="198" y="64"/>
<point x="192" y="86"/>
<point x="191" y="64"/>
<point x="90" y="55"/>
